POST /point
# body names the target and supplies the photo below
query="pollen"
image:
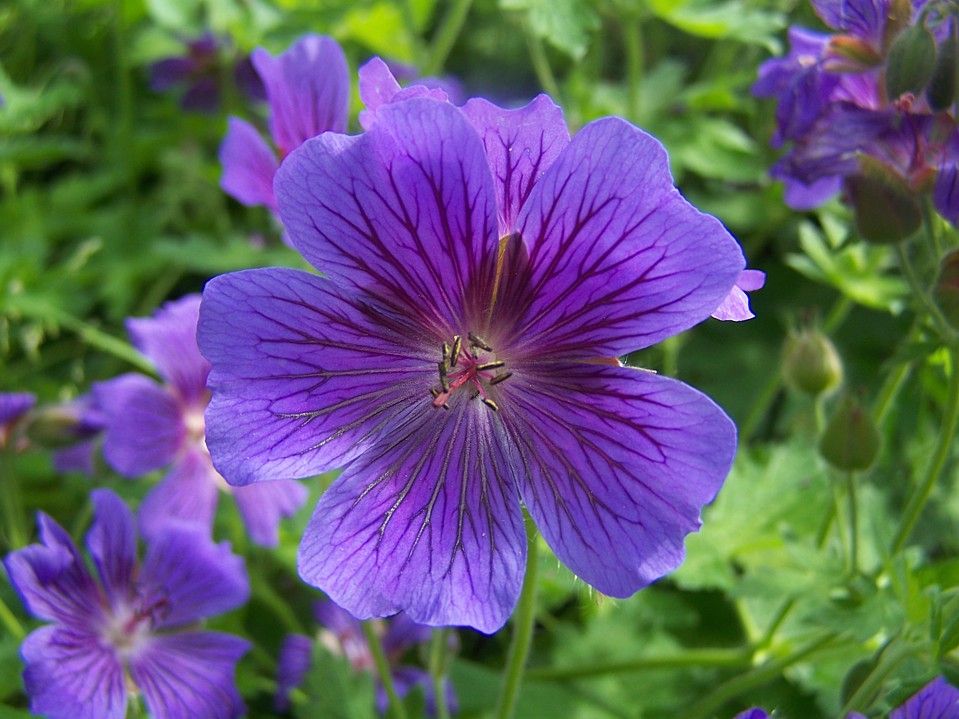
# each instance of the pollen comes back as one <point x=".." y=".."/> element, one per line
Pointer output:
<point x="472" y="366"/>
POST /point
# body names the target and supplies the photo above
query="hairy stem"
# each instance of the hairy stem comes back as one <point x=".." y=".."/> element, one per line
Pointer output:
<point x="437" y="666"/>
<point x="383" y="672"/>
<point x="852" y="501"/>
<point x="633" y="45"/>
<point x="523" y="621"/>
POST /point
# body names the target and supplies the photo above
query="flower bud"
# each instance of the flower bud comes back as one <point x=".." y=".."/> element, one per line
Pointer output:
<point x="811" y="363"/>
<point x="911" y="61"/>
<point x="851" y="440"/>
<point x="887" y="209"/>
<point x="54" y="426"/>
<point x="850" y="54"/>
<point x="947" y="288"/>
<point x="942" y="87"/>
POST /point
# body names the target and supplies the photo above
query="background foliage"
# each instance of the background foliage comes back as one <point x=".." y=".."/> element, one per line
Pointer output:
<point x="109" y="204"/>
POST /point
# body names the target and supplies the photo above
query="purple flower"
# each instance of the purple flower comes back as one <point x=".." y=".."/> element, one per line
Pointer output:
<point x="307" y="88"/>
<point x="456" y="372"/>
<point x="13" y="406"/>
<point x="86" y="425"/>
<point x="342" y="635"/>
<point x="198" y="70"/>
<point x="735" y="307"/>
<point x="937" y="700"/>
<point x="151" y="426"/>
<point x="131" y="624"/>
<point x="754" y="713"/>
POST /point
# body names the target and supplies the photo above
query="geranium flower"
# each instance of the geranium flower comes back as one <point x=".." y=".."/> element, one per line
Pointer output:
<point x="150" y="426"/>
<point x="133" y="624"/>
<point x="308" y="89"/>
<point x="13" y="406"/>
<point x="456" y="373"/>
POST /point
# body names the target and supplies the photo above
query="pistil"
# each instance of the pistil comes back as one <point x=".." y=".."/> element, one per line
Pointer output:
<point x="460" y="367"/>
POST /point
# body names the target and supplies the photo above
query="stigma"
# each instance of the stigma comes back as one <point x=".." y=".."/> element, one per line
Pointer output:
<point x="469" y="366"/>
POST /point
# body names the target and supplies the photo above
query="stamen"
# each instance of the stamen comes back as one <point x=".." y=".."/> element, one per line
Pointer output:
<point x="491" y="404"/>
<point x="446" y="353"/>
<point x="455" y="353"/>
<point x="476" y="341"/>
<point x="496" y="364"/>
<point x="501" y="378"/>
<point x="435" y="392"/>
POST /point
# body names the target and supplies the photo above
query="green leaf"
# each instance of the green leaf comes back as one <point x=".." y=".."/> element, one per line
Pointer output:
<point x="334" y="690"/>
<point x="565" y="24"/>
<point x="381" y="28"/>
<point x="733" y="20"/>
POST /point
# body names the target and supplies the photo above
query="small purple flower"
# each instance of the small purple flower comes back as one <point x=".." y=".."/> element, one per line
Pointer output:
<point x="457" y="372"/>
<point x="13" y="406"/>
<point x="342" y="635"/>
<point x="133" y="624"/>
<point x="307" y="88"/>
<point x="150" y="426"/>
<point x="937" y="700"/>
<point x="754" y="713"/>
<point x="198" y="71"/>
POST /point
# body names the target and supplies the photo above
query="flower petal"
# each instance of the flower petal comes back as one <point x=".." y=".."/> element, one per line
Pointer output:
<point x="187" y="494"/>
<point x="168" y="338"/>
<point x="520" y="146"/>
<point x="52" y="580"/>
<point x="70" y="674"/>
<point x="937" y="700"/>
<point x="248" y="165"/>
<point x="946" y="193"/>
<point x="303" y="380"/>
<point x="405" y="212"/>
<point x="296" y="654"/>
<point x="144" y="429"/>
<point x="403" y="633"/>
<point x="203" y="96"/>
<point x="379" y="87"/>
<point x="264" y="504"/>
<point x="14" y="405"/>
<point x="618" y="260"/>
<point x="170" y="71"/>
<point x="196" y="577"/>
<point x="308" y="90"/>
<point x="865" y="19"/>
<point x="735" y="307"/>
<point x="618" y="464"/>
<point x="184" y="676"/>
<point x="112" y="542"/>
<point x="426" y="521"/>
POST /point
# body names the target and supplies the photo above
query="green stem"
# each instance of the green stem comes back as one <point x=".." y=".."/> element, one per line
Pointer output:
<point x="44" y="312"/>
<point x="852" y="501"/>
<point x="633" y="45"/>
<point x="544" y="73"/>
<point x="729" y="658"/>
<point x="870" y="686"/>
<point x="11" y="622"/>
<point x="16" y="533"/>
<point x="396" y="708"/>
<point x="523" y="621"/>
<point x="446" y="36"/>
<point x="929" y="223"/>
<point x="947" y="435"/>
<point x="437" y="666"/>
<point x="919" y="290"/>
<point x="753" y="679"/>
<point x="889" y="391"/>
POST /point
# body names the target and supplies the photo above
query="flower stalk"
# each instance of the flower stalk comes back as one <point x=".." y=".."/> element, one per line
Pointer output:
<point x="396" y="708"/>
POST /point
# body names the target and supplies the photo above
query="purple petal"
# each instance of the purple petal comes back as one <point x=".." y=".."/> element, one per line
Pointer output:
<point x="735" y="307"/>
<point x="754" y="713"/>
<point x="618" y="260"/>
<point x="144" y="427"/>
<point x="308" y="90"/>
<point x="203" y="95"/>
<point x="937" y="700"/>
<point x="112" y="542"/>
<point x="618" y="465"/>
<point x="426" y="521"/>
<point x="185" y="676"/>
<point x="403" y="633"/>
<point x="76" y="458"/>
<point x="248" y="166"/>
<point x="70" y="674"/>
<point x="196" y="577"/>
<point x="405" y="211"/>
<point x="170" y="71"/>
<point x="946" y="193"/>
<point x="13" y="405"/>
<point x="378" y="87"/>
<point x="248" y="79"/>
<point x="406" y="679"/>
<point x="264" y="504"/>
<point x="302" y="380"/>
<point x="520" y="146"/>
<point x="802" y="196"/>
<point x="866" y="19"/>
<point x="168" y="338"/>
<point x="296" y="654"/>
<point x="332" y="616"/>
<point x="52" y="580"/>
<point x="187" y="494"/>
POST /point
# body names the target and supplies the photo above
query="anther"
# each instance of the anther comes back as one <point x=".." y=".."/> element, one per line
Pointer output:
<point x="435" y="392"/>
<point x="495" y="364"/>
<point x="455" y="353"/>
<point x="501" y="378"/>
<point x="479" y="342"/>
<point x="491" y="404"/>
<point x="446" y="352"/>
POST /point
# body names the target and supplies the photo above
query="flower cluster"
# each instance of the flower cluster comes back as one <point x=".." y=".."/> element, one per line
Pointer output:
<point x="866" y="110"/>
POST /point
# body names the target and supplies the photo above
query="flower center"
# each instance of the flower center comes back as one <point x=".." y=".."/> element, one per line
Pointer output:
<point x="473" y="366"/>
<point x="131" y="624"/>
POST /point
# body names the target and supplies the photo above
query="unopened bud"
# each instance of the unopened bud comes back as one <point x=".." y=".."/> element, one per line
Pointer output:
<point x="886" y="207"/>
<point x="55" y="426"/>
<point x="851" y="440"/>
<point x="947" y="288"/>
<point x="942" y="87"/>
<point x="911" y="61"/>
<point x="811" y="363"/>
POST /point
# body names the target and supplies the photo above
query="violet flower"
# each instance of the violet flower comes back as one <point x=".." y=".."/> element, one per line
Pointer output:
<point x="342" y="635"/>
<point x="149" y="426"/>
<point x="133" y="624"/>
<point x="13" y="406"/>
<point x="307" y="88"/>
<point x="198" y="71"/>
<point x="456" y="373"/>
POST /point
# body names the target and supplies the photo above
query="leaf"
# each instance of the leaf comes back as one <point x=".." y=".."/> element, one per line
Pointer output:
<point x="565" y="24"/>
<point x="380" y="28"/>
<point x="334" y="690"/>
<point x="734" y="20"/>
